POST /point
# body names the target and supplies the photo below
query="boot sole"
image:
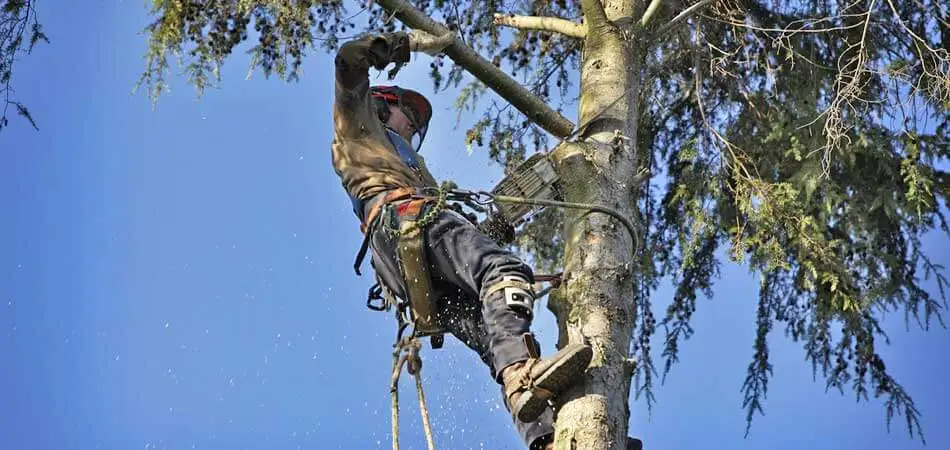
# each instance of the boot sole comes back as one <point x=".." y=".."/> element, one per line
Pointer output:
<point x="561" y="375"/>
<point x="634" y="444"/>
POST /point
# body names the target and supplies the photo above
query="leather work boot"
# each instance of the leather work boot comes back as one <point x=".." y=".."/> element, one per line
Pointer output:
<point x="529" y="385"/>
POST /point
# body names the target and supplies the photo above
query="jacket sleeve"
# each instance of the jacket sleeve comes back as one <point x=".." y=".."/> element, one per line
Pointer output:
<point x="353" y="61"/>
<point x="355" y="57"/>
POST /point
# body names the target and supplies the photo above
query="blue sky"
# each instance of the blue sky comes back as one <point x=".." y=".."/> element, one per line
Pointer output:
<point x="181" y="278"/>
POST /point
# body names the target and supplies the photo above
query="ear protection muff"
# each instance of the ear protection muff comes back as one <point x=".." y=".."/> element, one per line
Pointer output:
<point x="382" y="109"/>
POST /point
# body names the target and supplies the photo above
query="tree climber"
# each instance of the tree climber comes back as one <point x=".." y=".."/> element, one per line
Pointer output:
<point x="456" y="277"/>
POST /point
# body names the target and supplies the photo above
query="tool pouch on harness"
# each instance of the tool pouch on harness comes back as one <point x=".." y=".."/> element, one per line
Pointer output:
<point x="411" y="255"/>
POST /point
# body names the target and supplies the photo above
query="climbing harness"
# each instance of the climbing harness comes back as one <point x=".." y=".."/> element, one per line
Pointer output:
<point x="413" y="216"/>
<point x="415" y="209"/>
<point x="412" y="209"/>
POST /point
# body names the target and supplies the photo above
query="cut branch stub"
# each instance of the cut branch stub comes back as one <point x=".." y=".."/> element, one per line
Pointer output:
<point x="549" y="24"/>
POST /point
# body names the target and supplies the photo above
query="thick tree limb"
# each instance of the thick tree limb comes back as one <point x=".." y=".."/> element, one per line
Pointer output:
<point x="552" y="24"/>
<point x="683" y="15"/>
<point x="594" y="13"/>
<point x="529" y="104"/>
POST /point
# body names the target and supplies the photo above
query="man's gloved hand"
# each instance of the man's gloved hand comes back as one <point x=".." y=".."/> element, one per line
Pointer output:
<point x="420" y="41"/>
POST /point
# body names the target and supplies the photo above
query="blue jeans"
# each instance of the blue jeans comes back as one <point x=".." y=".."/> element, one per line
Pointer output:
<point x="463" y="262"/>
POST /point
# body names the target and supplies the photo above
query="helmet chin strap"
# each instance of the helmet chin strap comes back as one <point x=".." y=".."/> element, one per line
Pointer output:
<point x="419" y="131"/>
<point x="394" y="131"/>
<point x="408" y="142"/>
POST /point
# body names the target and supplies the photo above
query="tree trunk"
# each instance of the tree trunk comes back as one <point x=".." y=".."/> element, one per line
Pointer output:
<point x="596" y="302"/>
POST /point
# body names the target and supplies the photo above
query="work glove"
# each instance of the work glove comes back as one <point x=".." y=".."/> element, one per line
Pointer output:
<point x="420" y="41"/>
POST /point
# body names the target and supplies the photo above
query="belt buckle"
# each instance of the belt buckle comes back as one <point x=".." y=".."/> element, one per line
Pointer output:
<point x="376" y="300"/>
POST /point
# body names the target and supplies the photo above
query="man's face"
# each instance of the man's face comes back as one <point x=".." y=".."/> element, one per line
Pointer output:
<point x="400" y="123"/>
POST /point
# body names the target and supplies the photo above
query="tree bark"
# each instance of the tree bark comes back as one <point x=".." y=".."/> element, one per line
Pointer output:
<point x="596" y="302"/>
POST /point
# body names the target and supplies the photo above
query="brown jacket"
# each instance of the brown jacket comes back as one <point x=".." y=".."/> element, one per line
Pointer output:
<point x="363" y="156"/>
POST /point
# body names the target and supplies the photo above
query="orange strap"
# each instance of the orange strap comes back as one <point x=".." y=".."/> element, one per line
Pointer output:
<point x="391" y="196"/>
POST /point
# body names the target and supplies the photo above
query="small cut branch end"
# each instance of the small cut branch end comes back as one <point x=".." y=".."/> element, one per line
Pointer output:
<point x="549" y="24"/>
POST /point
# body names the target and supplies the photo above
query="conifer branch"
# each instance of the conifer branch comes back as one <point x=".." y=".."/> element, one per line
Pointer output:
<point x="552" y="24"/>
<point x="20" y="31"/>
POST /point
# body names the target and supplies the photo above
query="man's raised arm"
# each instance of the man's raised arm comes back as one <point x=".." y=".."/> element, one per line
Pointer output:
<point x="356" y="57"/>
<point x="354" y="60"/>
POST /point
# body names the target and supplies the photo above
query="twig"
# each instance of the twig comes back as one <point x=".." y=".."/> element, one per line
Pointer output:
<point x="15" y="34"/>
<point x="849" y="82"/>
<point x="648" y="14"/>
<point x="663" y="30"/>
<point x="941" y="61"/>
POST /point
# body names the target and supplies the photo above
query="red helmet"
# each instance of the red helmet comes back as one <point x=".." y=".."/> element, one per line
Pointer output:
<point x="412" y="103"/>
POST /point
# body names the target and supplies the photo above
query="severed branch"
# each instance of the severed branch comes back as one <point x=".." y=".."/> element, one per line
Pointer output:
<point x="552" y="24"/>
<point x="683" y="15"/>
<point x="529" y="104"/>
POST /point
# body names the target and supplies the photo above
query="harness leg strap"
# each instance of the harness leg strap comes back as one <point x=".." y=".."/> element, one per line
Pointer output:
<point x="519" y="294"/>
